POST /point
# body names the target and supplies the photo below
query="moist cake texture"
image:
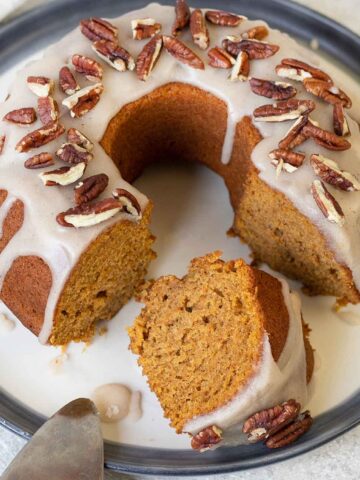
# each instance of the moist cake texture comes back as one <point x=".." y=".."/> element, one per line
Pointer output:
<point x="221" y="343"/>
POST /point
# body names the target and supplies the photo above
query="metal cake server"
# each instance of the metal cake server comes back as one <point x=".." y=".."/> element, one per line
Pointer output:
<point x="69" y="446"/>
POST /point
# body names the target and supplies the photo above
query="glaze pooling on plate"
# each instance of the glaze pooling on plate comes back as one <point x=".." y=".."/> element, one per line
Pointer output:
<point x="61" y="248"/>
<point x="272" y="383"/>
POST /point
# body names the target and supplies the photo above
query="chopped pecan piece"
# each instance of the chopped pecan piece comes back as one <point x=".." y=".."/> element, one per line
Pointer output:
<point x="22" y="116"/>
<point x="87" y="66"/>
<point x="325" y="138"/>
<point x="67" y="81"/>
<point x="41" y="86"/>
<point x="341" y="126"/>
<point x="257" y="33"/>
<point x="90" y="188"/>
<point x="256" y="49"/>
<point x="297" y="70"/>
<point x="89" y="214"/>
<point x="274" y="90"/>
<point x="286" y="160"/>
<point x="73" y="153"/>
<point x="98" y="29"/>
<point x="114" y="55"/>
<point x="2" y="143"/>
<point x="330" y="172"/>
<point x="148" y="57"/>
<point x="40" y="137"/>
<point x="128" y="202"/>
<point x="295" y="135"/>
<point x="42" y="160"/>
<point x="144" y="28"/>
<point x="327" y="92"/>
<point x="63" y="176"/>
<point x="290" y="109"/>
<point x="75" y="136"/>
<point x="206" y="439"/>
<point x="48" y="109"/>
<point x="292" y="432"/>
<point x="241" y="68"/>
<point x="220" y="58"/>
<point x="182" y="17"/>
<point x="267" y="422"/>
<point x="84" y="100"/>
<point x="328" y="205"/>
<point x="199" y="32"/>
<point x="182" y="53"/>
<point x="224" y="19"/>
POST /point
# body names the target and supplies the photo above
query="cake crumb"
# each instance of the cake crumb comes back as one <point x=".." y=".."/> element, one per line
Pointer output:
<point x="57" y="363"/>
<point x="6" y="324"/>
<point x="314" y="44"/>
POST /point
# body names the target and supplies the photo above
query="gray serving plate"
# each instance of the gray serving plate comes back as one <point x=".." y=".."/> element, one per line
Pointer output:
<point x="31" y="31"/>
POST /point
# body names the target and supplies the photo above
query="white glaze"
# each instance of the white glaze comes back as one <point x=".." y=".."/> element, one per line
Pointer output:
<point x="272" y="383"/>
<point x="112" y="401"/>
<point x="61" y="247"/>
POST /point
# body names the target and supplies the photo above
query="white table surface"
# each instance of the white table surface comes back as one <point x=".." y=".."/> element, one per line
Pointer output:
<point x="337" y="460"/>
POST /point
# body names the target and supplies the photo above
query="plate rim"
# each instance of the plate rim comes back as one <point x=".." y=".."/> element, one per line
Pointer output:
<point x="30" y="420"/>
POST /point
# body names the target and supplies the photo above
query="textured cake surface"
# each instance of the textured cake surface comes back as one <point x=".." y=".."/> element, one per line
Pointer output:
<point x="202" y="339"/>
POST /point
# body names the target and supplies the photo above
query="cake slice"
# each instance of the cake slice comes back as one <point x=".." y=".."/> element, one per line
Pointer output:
<point x="221" y="343"/>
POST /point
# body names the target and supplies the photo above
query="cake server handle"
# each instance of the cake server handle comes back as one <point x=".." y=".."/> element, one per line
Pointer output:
<point x="69" y="446"/>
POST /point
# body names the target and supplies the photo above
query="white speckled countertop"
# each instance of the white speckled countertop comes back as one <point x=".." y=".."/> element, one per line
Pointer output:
<point x="339" y="459"/>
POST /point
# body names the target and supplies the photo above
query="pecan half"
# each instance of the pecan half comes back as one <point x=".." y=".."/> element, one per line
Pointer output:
<point x="87" y="66"/>
<point x="48" y="109"/>
<point x="325" y="138"/>
<point x="2" y="143"/>
<point x="274" y="90"/>
<point x="328" y="205"/>
<point x="144" y="28"/>
<point x="67" y="81"/>
<point x="327" y="92"/>
<point x="148" y="57"/>
<point x="266" y="422"/>
<point x="90" y="188"/>
<point x="182" y="17"/>
<point x="286" y="160"/>
<point x="241" y="68"/>
<point x="41" y="86"/>
<point x="292" y="432"/>
<point x="206" y="439"/>
<point x="87" y="215"/>
<point x="22" y="116"/>
<point x="297" y="70"/>
<point x="256" y="49"/>
<point x="295" y="135"/>
<point x="258" y="33"/>
<point x="73" y="153"/>
<point x="128" y="202"/>
<point x="63" y="176"/>
<point x="282" y="111"/>
<point x="182" y="53"/>
<point x="114" y="55"/>
<point x="42" y="160"/>
<point x="199" y="32"/>
<point x="220" y="58"/>
<point x="98" y="29"/>
<point x="330" y="172"/>
<point x="40" y="137"/>
<point x="84" y="100"/>
<point x="224" y="19"/>
<point x="341" y="126"/>
<point x="75" y="136"/>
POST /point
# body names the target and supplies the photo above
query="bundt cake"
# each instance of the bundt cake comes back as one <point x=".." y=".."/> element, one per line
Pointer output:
<point x="112" y="97"/>
<point x="221" y="343"/>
